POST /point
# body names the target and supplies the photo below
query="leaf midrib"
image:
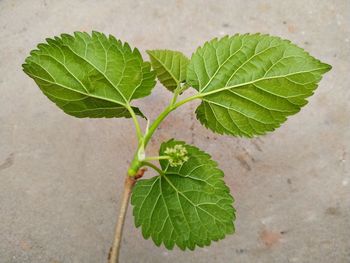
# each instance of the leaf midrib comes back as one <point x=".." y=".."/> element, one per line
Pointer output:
<point x="126" y="104"/>
<point x="85" y="59"/>
<point x="189" y="200"/>
<point x="200" y="94"/>
<point x="226" y="60"/>
<point x="73" y="90"/>
<point x="160" y="62"/>
<point x="91" y="64"/>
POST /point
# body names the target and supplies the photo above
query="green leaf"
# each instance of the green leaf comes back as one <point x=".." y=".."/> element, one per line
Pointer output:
<point x="188" y="205"/>
<point x="170" y="67"/>
<point x="90" y="76"/>
<point x="250" y="84"/>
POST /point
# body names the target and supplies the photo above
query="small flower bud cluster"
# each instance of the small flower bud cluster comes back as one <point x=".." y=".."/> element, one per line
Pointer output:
<point x="177" y="154"/>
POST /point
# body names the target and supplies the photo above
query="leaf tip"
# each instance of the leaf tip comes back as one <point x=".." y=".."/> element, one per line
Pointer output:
<point x="328" y="67"/>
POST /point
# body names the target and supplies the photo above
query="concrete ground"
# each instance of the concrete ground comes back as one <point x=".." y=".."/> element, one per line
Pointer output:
<point x="61" y="177"/>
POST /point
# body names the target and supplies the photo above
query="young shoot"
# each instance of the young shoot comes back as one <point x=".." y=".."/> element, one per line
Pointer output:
<point x="248" y="85"/>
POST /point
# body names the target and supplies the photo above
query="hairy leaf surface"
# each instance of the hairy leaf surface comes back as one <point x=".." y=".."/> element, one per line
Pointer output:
<point x="187" y="206"/>
<point x="250" y="84"/>
<point x="90" y="75"/>
<point x="170" y="66"/>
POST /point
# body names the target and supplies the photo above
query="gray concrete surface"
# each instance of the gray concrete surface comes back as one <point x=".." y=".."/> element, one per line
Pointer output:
<point x="60" y="177"/>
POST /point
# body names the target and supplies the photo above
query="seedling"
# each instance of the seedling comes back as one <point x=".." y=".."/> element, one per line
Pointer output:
<point x="247" y="84"/>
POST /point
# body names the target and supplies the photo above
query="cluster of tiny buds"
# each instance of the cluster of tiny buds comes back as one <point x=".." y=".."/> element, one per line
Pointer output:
<point x="177" y="155"/>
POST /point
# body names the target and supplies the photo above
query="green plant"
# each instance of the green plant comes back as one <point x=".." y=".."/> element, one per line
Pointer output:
<point x="248" y="85"/>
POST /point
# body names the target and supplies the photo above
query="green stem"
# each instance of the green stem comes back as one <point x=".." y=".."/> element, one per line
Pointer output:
<point x="176" y="94"/>
<point x="136" y="122"/>
<point x="164" y="114"/>
<point x="153" y="158"/>
<point x="154" y="167"/>
<point x="143" y="140"/>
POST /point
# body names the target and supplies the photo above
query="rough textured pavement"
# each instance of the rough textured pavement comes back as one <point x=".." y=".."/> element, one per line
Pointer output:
<point x="60" y="177"/>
